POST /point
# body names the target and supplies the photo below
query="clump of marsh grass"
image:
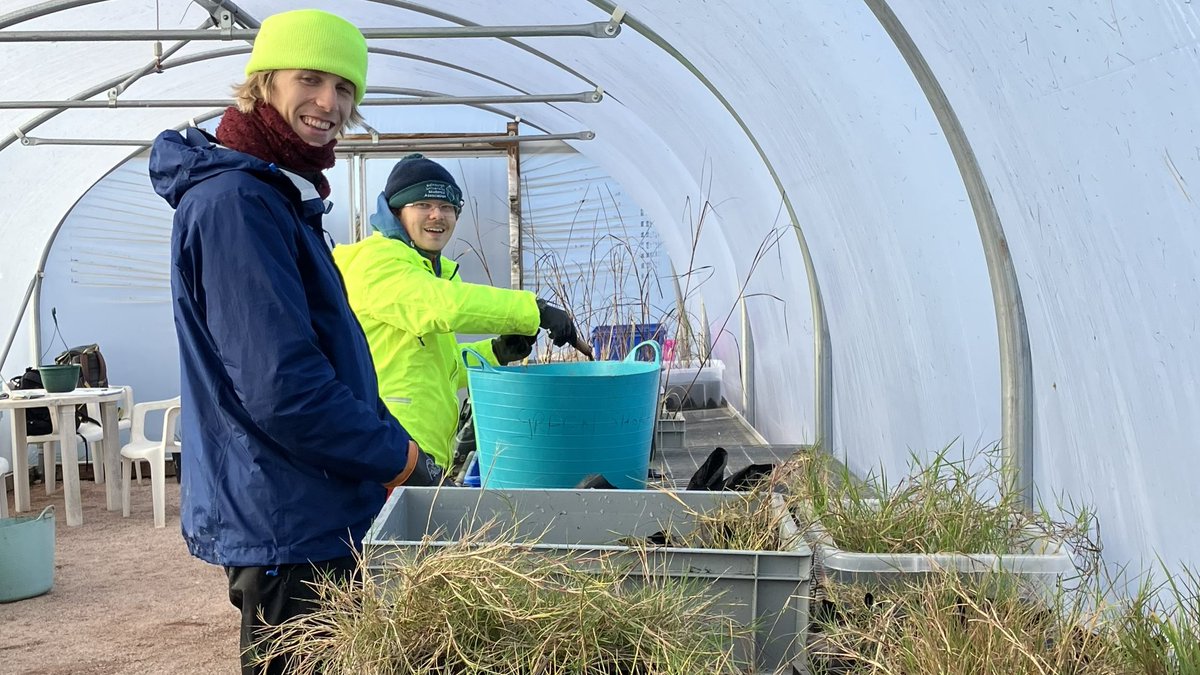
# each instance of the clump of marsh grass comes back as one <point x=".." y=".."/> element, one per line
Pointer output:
<point x="952" y="623"/>
<point x="944" y="505"/>
<point x="988" y="625"/>
<point x="757" y="520"/>
<point x="1158" y="626"/>
<point x="495" y="607"/>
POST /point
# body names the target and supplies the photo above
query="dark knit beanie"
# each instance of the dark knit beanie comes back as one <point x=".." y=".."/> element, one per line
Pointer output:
<point x="415" y="178"/>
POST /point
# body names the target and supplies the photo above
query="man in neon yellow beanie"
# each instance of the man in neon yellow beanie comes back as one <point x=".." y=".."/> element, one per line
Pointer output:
<point x="290" y="450"/>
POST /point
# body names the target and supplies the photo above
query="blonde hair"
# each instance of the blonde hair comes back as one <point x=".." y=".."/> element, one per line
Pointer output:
<point x="257" y="87"/>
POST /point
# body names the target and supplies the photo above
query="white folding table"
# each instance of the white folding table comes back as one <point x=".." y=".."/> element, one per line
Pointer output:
<point x="62" y="406"/>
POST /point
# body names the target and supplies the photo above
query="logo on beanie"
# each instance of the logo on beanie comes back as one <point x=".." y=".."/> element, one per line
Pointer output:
<point x="430" y="189"/>
<point x="434" y="190"/>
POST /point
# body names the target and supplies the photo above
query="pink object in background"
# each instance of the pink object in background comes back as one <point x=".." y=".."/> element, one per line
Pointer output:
<point x="668" y="355"/>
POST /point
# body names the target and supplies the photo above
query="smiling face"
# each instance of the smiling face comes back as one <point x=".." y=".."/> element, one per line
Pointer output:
<point x="429" y="223"/>
<point x="316" y="104"/>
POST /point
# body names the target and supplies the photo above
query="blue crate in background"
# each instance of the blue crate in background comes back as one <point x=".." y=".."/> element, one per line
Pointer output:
<point x="612" y="343"/>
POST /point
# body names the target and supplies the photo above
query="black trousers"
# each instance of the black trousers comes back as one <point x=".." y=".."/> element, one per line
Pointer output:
<point x="280" y="593"/>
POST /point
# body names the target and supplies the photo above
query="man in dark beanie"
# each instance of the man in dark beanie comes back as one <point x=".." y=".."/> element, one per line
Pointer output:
<point x="411" y="303"/>
<point x="290" y="450"/>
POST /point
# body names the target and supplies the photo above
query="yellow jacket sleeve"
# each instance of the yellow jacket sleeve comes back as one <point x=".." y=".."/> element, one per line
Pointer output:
<point x="395" y="291"/>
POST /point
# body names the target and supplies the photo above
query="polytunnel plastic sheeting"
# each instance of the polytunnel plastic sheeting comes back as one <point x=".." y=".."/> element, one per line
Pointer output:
<point x="682" y="155"/>
<point x="883" y="209"/>
<point x="1084" y="122"/>
<point x="108" y="282"/>
<point x="1080" y="119"/>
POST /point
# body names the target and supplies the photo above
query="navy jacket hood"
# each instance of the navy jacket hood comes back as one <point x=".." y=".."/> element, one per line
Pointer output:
<point x="179" y="162"/>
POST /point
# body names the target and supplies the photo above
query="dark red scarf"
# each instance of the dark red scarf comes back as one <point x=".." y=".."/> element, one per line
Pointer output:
<point x="266" y="135"/>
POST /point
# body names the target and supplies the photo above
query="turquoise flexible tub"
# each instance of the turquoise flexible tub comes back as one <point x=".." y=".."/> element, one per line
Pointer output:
<point x="551" y="425"/>
<point x="26" y="555"/>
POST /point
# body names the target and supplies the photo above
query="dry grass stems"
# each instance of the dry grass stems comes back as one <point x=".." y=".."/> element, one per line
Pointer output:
<point x="986" y="625"/>
<point x="618" y="283"/>
<point x="756" y="520"/>
<point x="495" y="607"/>
<point x="942" y="506"/>
<point x="1158" y="626"/>
<point x="952" y="623"/>
<point x="597" y="291"/>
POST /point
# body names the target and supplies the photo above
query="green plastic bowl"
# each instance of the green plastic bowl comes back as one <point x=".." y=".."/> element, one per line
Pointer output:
<point x="59" y="379"/>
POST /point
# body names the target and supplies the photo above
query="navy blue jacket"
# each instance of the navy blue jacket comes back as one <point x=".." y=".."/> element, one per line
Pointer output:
<point x="286" y="444"/>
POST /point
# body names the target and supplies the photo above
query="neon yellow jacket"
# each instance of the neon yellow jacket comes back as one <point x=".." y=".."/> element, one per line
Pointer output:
<point x="410" y="317"/>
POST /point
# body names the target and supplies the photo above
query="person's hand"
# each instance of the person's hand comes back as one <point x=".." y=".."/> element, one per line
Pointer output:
<point x="558" y="323"/>
<point x="419" y="470"/>
<point x="510" y="348"/>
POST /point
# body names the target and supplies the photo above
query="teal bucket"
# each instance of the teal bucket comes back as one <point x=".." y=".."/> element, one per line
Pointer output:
<point x="26" y="556"/>
<point x="552" y="425"/>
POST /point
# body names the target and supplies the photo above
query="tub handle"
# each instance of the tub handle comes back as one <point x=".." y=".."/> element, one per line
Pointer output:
<point x="482" y="361"/>
<point x="632" y="355"/>
<point x="47" y="512"/>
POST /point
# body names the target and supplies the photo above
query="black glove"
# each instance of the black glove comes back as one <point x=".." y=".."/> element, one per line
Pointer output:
<point x="595" y="481"/>
<point x="748" y="477"/>
<point x="558" y="323"/>
<point x="510" y="348"/>
<point x="711" y="474"/>
<point x="420" y="470"/>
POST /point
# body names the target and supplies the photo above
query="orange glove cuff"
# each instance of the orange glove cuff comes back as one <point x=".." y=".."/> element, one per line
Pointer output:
<point x="410" y="465"/>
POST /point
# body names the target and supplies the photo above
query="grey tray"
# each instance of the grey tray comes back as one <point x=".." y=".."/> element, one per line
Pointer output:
<point x="767" y="589"/>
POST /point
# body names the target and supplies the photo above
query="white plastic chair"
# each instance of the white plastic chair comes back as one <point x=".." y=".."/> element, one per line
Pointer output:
<point x="49" y="449"/>
<point x="51" y="455"/>
<point x="4" y="471"/>
<point x="152" y="451"/>
<point x="93" y="433"/>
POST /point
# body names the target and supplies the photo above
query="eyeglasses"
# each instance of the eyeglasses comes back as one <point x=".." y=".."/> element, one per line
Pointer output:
<point x="446" y="210"/>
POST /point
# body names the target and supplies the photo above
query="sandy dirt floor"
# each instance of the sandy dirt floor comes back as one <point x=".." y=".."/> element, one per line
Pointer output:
<point x="127" y="598"/>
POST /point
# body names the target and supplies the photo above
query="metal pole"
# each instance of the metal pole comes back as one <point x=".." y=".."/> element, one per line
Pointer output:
<point x="236" y="14"/>
<point x="1016" y="362"/>
<point x="516" y="44"/>
<point x="12" y="334"/>
<point x="581" y="97"/>
<point x="154" y="66"/>
<point x="382" y="145"/>
<point x="516" y="272"/>
<point x="595" y="29"/>
<point x="35" y="311"/>
<point x="41" y="118"/>
<point x="43" y="9"/>
<point x="364" y="202"/>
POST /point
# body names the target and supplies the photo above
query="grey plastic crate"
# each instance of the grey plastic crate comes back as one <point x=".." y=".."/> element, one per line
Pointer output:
<point x="670" y="433"/>
<point x="769" y="589"/>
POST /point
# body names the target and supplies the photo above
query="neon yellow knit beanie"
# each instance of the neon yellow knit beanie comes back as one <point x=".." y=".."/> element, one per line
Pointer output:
<point x="309" y="39"/>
